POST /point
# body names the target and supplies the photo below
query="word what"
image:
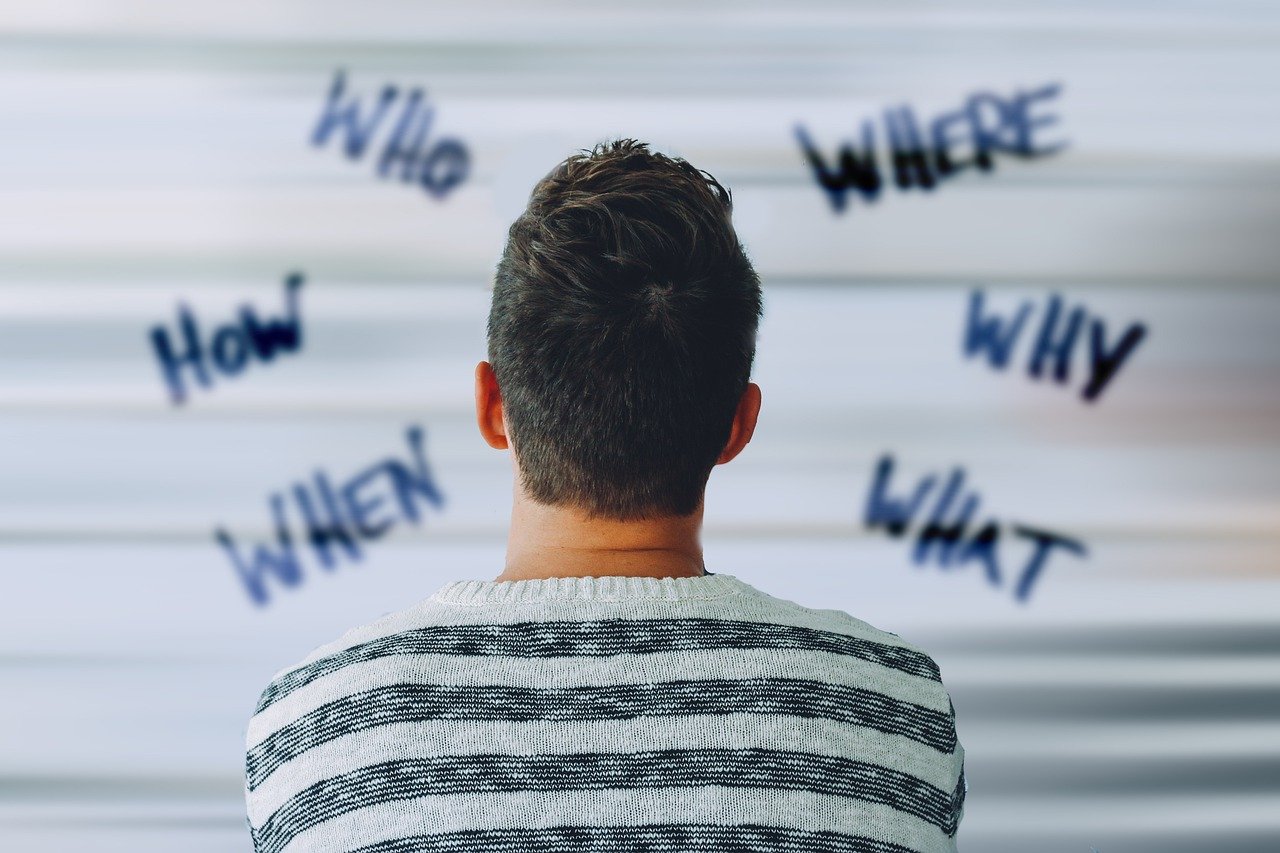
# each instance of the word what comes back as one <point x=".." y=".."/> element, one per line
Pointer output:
<point x="948" y="534"/>
<point x="231" y="346"/>
<point x="1053" y="346"/>
<point x="986" y="124"/>
<point x="336" y="519"/>
<point x="437" y="168"/>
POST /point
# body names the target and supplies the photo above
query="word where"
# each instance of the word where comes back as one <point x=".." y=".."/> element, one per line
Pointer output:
<point x="948" y="535"/>
<point x="987" y="124"/>
<point x="230" y="346"/>
<point x="437" y="170"/>
<point x="996" y="337"/>
<point x="335" y="520"/>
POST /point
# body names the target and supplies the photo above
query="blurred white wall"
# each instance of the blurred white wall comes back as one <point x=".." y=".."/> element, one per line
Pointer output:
<point x="158" y="153"/>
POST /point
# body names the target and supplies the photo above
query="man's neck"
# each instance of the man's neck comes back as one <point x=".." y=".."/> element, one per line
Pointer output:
<point x="553" y="542"/>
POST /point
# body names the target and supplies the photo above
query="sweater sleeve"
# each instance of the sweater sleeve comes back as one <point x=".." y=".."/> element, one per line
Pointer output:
<point x="961" y="786"/>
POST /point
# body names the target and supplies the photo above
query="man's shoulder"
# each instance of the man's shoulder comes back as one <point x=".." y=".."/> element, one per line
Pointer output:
<point x="356" y="643"/>
<point x="843" y="622"/>
<point x="897" y="657"/>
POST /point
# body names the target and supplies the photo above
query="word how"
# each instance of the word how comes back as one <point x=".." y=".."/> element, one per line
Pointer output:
<point x="336" y="519"/>
<point x="438" y="169"/>
<point x="231" y="345"/>
<point x="996" y="337"/>
<point x="987" y="124"/>
<point x="948" y="534"/>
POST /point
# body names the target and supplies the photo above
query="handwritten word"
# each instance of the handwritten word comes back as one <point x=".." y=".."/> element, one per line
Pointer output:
<point x="948" y="538"/>
<point x="997" y="336"/>
<point x="336" y="519"/>
<point x="438" y="170"/>
<point x="987" y="123"/>
<point x="230" y="346"/>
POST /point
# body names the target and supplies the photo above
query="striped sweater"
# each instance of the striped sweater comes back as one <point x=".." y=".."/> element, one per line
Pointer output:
<point x="607" y="714"/>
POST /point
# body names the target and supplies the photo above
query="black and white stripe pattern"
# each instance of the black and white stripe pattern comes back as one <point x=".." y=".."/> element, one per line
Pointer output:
<point x="601" y="638"/>
<point x="687" y="838"/>
<point x="399" y="703"/>
<point x="474" y="728"/>
<point x="404" y="780"/>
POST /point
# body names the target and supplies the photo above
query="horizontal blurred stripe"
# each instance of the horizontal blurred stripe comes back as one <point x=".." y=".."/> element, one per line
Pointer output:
<point x="159" y="152"/>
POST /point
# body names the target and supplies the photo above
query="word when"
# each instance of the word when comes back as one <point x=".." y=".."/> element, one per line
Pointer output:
<point x="437" y="171"/>
<point x="996" y="337"/>
<point x="948" y="538"/>
<point x="987" y="122"/>
<point x="231" y="345"/>
<point x="336" y="520"/>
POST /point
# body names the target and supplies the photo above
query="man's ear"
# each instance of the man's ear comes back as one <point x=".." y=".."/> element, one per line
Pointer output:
<point x="489" y="407"/>
<point x="744" y="423"/>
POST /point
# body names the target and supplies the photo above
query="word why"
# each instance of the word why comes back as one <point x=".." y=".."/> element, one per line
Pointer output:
<point x="996" y="337"/>
<point x="437" y="170"/>
<point x="335" y="520"/>
<point x="947" y="534"/>
<point x="987" y="123"/>
<point x="231" y="345"/>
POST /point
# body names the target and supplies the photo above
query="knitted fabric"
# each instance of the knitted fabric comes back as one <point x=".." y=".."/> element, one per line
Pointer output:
<point x="607" y="714"/>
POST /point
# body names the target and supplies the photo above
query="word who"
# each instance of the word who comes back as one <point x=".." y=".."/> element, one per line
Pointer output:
<point x="335" y="520"/>
<point x="438" y="170"/>
<point x="986" y="124"/>
<point x="230" y="347"/>
<point x="1053" y="346"/>
<point x="947" y="533"/>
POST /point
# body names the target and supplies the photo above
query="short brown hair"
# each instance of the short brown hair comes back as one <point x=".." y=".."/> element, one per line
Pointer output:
<point x="622" y="332"/>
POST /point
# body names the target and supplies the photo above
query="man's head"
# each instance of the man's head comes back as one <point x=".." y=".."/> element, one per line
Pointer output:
<point x="621" y="335"/>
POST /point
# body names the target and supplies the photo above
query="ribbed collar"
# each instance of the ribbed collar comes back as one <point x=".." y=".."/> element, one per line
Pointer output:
<point x="603" y="588"/>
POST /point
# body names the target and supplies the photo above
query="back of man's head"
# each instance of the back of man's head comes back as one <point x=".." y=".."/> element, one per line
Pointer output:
<point x="622" y="332"/>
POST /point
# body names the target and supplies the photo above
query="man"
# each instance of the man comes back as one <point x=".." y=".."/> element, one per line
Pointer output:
<point x="605" y="692"/>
